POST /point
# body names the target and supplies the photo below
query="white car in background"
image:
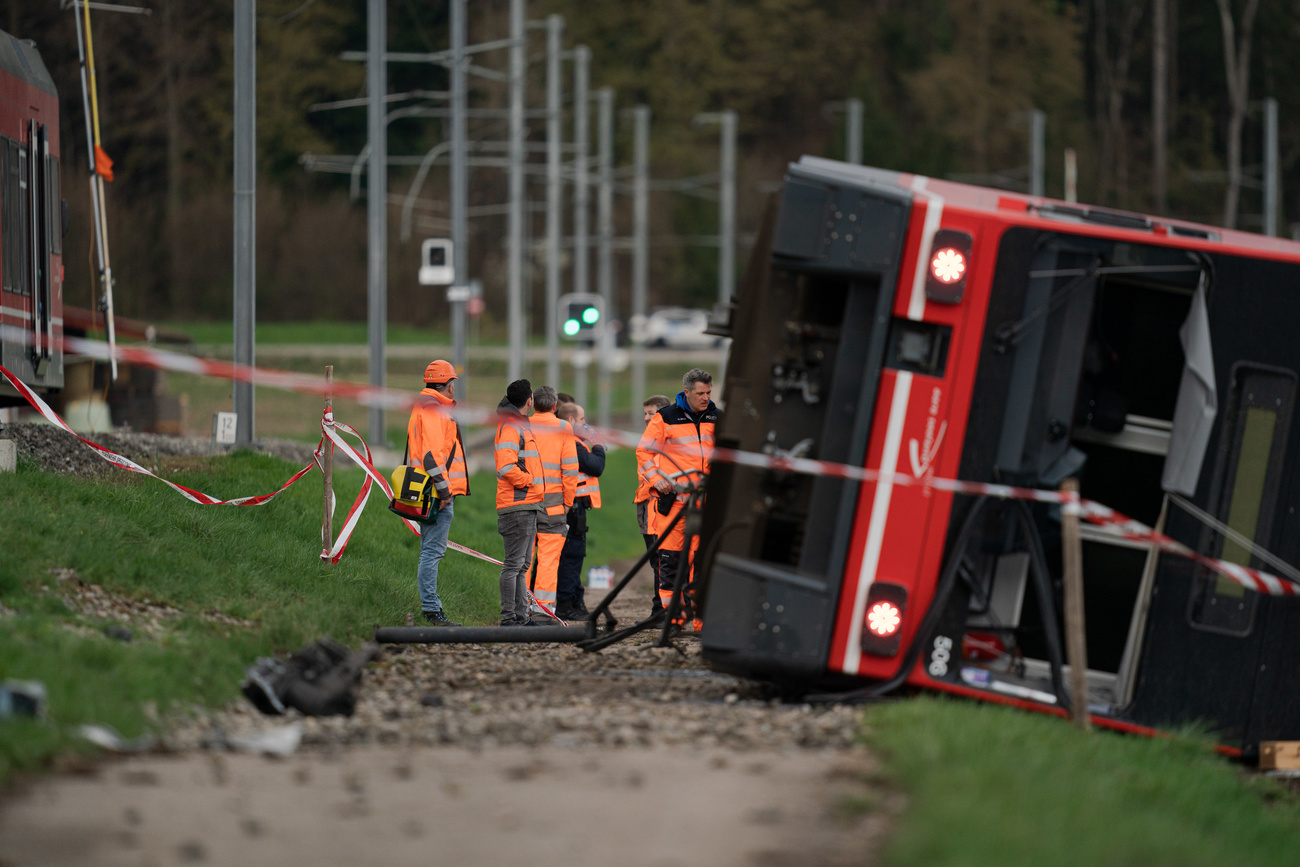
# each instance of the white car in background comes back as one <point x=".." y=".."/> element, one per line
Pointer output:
<point x="678" y="328"/>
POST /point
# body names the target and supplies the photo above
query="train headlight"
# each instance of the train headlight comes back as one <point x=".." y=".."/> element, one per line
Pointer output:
<point x="883" y="619"/>
<point x="882" y="622"/>
<point x="949" y="266"/>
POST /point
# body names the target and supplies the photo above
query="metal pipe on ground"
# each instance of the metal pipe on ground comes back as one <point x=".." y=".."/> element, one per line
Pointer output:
<point x="482" y="634"/>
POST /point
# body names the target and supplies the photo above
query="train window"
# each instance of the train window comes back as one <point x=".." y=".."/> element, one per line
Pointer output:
<point x="1246" y="490"/>
<point x="53" y="210"/>
<point x="13" y="189"/>
<point x="19" y="228"/>
<point x="6" y="221"/>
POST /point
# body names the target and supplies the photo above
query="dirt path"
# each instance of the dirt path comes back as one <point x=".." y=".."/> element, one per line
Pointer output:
<point x="486" y="755"/>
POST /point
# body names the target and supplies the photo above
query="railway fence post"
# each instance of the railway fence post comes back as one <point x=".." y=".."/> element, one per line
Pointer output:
<point x="327" y="470"/>
<point x="1076" y="647"/>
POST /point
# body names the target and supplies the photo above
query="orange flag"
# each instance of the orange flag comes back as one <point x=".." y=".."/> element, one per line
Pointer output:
<point x="103" y="165"/>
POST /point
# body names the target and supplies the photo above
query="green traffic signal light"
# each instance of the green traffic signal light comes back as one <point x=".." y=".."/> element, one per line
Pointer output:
<point x="572" y="327"/>
<point x="591" y="315"/>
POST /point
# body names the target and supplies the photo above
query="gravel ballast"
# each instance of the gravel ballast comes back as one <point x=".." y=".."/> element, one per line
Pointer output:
<point x="55" y="450"/>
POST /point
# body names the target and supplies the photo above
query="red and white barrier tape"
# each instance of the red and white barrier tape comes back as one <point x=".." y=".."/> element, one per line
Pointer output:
<point x="1113" y="522"/>
<point x="330" y="429"/>
<point x="127" y="464"/>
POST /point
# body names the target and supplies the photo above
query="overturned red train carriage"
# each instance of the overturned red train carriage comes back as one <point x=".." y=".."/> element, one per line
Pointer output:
<point x="941" y="330"/>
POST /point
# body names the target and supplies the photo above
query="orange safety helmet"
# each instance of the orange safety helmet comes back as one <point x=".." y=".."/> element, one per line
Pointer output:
<point x="439" y="372"/>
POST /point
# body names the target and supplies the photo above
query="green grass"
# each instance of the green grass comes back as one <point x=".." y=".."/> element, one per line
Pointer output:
<point x="138" y="539"/>
<point x="988" y="785"/>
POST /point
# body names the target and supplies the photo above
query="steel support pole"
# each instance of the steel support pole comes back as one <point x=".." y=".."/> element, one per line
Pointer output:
<point x="605" y="257"/>
<point x="581" y="73"/>
<point x="377" y="205"/>
<point x="853" y="130"/>
<point x="581" y="362"/>
<point x="97" y="211"/>
<point x="1037" y="147"/>
<point x="640" y="249"/>
<point x="554" y="193"/>
<point x="727" y="210"/>
<point x="1270" y="167"/>
<point x="1071" y="175"/>
<point x="515" y="287"/>
<point x="459" y="189"/>
<point x="245" y="300"/>
<point x="1160" y="105"/>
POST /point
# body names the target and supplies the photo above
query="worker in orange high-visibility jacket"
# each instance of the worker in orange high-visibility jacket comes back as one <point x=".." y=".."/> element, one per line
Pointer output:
<point x="644" y="500"/>
<point x="556" y="444"/>
<point x="433" y="443"/>
<point x="677" y="445"/>
<point x="519" y="498"/>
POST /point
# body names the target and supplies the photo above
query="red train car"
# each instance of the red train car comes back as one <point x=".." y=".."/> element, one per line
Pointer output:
<point x="941" y="330"/>
<point x="31" y="221"/>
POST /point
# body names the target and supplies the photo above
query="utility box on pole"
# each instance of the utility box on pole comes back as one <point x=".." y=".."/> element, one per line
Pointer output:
<point x="437" y="266"/>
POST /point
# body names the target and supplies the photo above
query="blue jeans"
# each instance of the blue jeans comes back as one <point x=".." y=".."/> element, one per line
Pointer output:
<point x="433" y="544"/>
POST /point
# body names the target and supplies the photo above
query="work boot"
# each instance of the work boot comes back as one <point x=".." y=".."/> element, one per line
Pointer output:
<point x="568" y="611"/>
<point x="438" y="618"/>
<point x="510" y="621"/>
<point x="581" y="608"/>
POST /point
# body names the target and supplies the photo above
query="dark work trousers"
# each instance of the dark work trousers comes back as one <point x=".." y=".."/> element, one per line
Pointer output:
<point x="655" y="603"/>
<point x="674" y="567"/>
<point x="570" y="588"/>
<point x="518" y="533"/>
<point x="569" y="583"/>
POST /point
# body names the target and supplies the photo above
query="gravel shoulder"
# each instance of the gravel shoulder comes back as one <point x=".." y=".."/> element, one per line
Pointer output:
<point x="479" y="755"/>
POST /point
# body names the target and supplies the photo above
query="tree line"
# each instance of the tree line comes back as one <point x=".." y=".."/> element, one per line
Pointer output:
<point x="1159" y="98"/>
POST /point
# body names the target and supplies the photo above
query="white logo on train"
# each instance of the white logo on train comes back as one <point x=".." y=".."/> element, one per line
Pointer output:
<point x="922" y="456"/>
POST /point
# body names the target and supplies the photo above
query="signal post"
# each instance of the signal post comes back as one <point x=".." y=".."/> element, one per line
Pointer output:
<point x="581" y="319"/>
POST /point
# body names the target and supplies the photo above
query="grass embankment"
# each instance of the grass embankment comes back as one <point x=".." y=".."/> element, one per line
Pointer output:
<point x="991" y="785"/>
<point x="140" y="540"/>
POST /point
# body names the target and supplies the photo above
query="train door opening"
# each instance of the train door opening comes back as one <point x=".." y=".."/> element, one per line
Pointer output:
<point x="1092" y="366"/>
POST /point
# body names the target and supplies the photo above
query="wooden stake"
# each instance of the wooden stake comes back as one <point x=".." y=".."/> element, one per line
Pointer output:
<point x="327" y="467"/>
<point x="1076" y="645"/>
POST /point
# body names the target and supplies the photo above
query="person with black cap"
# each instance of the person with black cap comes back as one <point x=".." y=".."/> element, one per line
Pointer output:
<point x="433" y="443"/>
<point x="520" y="486"/>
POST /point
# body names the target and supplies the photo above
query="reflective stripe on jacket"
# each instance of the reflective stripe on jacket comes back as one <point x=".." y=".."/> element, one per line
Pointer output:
<point x="433" y="443"/>
<point x="518" y="462"/>
<point x="591" y="463"/>
<point x="556" y="443"/>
